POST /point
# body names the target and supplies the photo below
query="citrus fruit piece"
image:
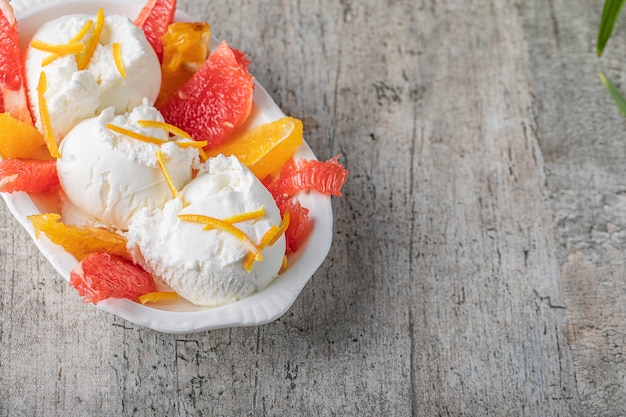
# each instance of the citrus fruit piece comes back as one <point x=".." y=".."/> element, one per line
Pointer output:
<point x="12" y="91"/>
<point x="29" y="175"/>
<point x="215" y="100"/>
<point x="299" y="227"/>
<point x="185" y="48"/>
<point x="79" y="241"/>
<point x="303" y="175"/>
<point x="308" y="174"/>
<point x="153" y="19"/>
<point x="17" y="138"/>
<point x="153" y="297"/>
<point x="101" y="275"/>
<point x="265" y="148"/>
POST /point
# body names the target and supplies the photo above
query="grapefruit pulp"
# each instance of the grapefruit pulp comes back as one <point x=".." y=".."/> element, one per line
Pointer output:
<point x="12" y="91"/>
<point x="29" y="175"/>
<point x="216" y="100"/>
<point x="153" y="19"/>
<point x="101" y="275"/>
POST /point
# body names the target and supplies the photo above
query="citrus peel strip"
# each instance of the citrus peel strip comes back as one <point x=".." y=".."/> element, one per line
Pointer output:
<point x="46" y="126"/>
<point x="63" y="49"/>
<point x="81" y="33"/>
<point x="117" y="57"/>
<point x="135" y="135"/>
<point x="269" y="235"/>
<point x="194" y="144"/>
<point x="213" y="223"/>
<point x="269" y="238"/>
<point x="161" y="161"/>
<point x="90" y="46"/>
<point x="174" y="130"/>
<point x="249" y="215"/>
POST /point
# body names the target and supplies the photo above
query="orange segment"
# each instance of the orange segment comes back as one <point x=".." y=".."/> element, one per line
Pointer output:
<point x="185" y="48"/>
<point x="79" y="241"/>
<point x="213" y="223"/>
<point x="84" y="59"/>
<point x="166" y="174"/>
<point x="46" y="126"/>
<point x="265" y="148"/>
<point x="18" y="139"/>
<point x="117" y="57"/>
<point x="151" y="297"/>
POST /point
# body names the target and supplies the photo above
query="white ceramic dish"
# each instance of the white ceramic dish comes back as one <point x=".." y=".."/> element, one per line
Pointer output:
<point x="180" y="316"/>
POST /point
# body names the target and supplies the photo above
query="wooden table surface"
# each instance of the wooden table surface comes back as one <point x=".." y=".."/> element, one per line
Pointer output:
<point x="477" y="267"/>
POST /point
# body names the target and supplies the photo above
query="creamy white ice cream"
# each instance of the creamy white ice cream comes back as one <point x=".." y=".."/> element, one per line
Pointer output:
<point x="206" y="266"/>
<point x="73" y="95"/>
<point x="106" y="176"/>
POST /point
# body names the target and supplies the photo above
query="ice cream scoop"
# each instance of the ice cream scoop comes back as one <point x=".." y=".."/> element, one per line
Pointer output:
<point x="106" y="176"/>
<point x="73" y="95"/>
<point x="206" y="265"/>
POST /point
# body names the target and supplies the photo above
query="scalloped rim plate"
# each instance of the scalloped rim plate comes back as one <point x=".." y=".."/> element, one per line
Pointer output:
<point x="181" y="316"/>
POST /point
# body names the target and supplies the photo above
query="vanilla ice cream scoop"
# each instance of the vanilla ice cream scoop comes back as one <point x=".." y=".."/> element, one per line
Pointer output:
<point x="73" y="95"/>
<point x="207" y="266"/>
<point x="107" y="176"/>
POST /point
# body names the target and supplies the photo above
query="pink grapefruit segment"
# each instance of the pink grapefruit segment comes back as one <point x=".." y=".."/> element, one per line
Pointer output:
<point x="100" y="276"/>
<point x="216" y="100"/>
<point x="29" y="175"/>
<point x="154" y="19"/>
<point x="12" y="91"/>
<point x="303" y="175"/>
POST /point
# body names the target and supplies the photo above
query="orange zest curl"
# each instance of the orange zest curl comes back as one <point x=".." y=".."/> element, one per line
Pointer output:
<point x="84" y="59"/>
<point x="176" y="131"/>
<point x="213" y="223"/>
<point x="250" y="215"/>
<point x="269" y="238"/>
<point x="81" y="33"/>
<point x="161" y="162"/>
<point x="117" y="57"/>
<point x="194" y="144"/>
<point x="164" y="126"/>
<point x="62" y="49"/>
<point x="135" y="135"/>
<point x="46" y="126"/>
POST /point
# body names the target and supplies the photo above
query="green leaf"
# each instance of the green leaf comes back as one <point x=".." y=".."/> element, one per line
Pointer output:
<point x="617" y="97"/>
<point x="610" y="13"/>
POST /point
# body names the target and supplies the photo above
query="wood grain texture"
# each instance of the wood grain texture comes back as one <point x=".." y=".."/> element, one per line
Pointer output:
<point x="582" y="139"/>
<point x="477" y="265"/>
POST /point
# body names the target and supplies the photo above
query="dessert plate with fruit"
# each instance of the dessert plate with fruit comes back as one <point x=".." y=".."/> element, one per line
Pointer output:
<point x="152" y="170"/>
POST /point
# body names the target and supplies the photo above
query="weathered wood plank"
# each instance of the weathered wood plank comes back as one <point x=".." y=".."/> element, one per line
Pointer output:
<point x="487" y="316"/>
<point x="442" y="292"/>
<point x="582" y="139"/>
